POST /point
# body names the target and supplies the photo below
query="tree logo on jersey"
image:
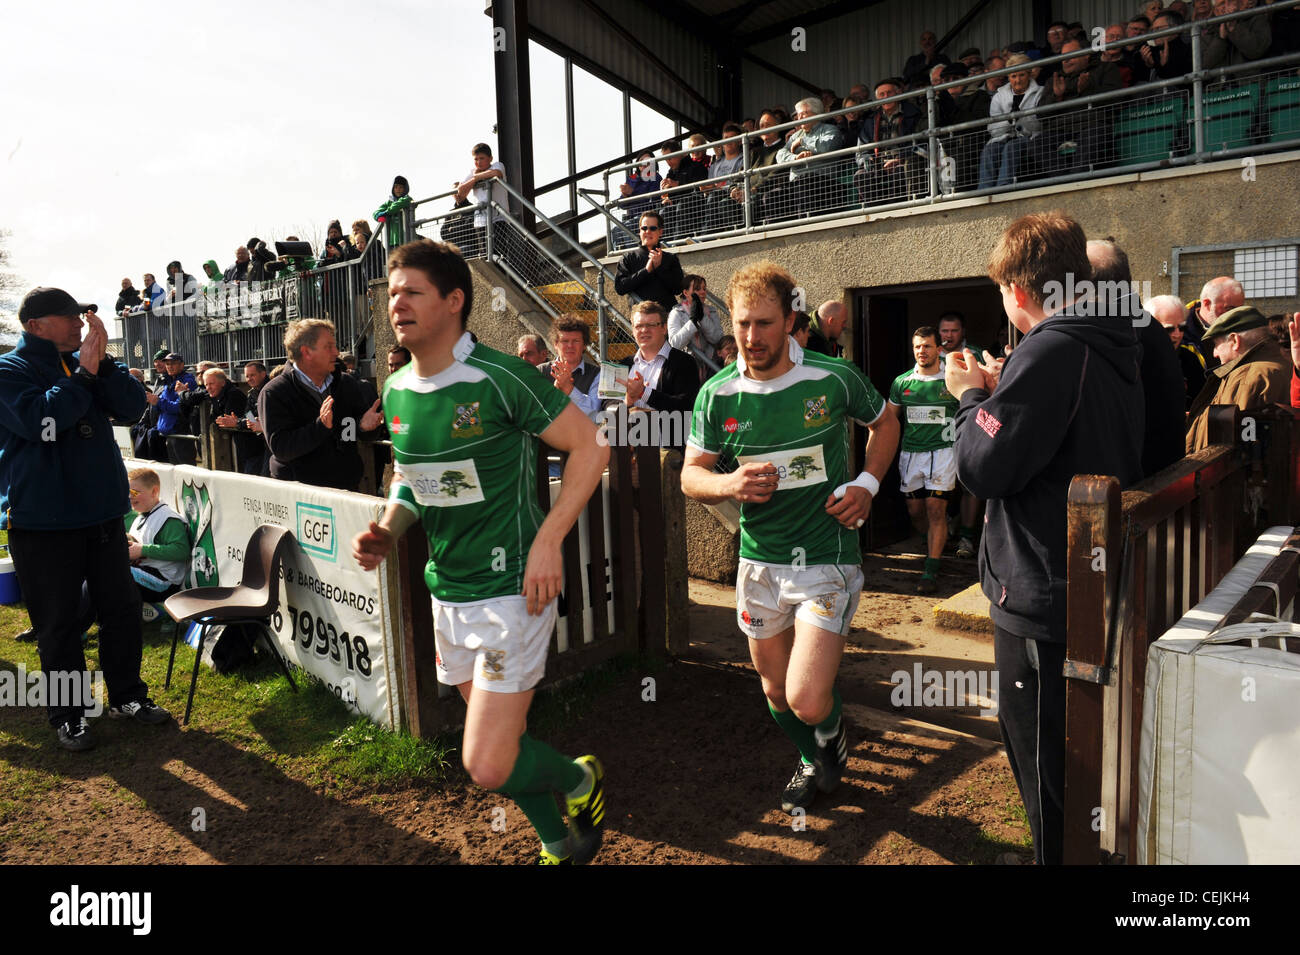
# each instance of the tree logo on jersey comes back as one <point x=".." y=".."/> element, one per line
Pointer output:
<point x="466" y="423"/>
<point x="801" y="465"/>
<point x="815" y="412"/>
<point x="397" y="426"/>
<point x="453" y="482"/>
<point x="196" y="505"/>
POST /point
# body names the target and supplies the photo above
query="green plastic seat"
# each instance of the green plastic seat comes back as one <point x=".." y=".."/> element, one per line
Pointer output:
<point x="1149" y="131"/>
<point x="1282" y="108"/>
<point x="1229" y="114"/>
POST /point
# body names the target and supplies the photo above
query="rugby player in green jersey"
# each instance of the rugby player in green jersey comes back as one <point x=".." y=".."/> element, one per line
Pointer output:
<point x="781" y="415"/>
<point x="926" y="464"/>
<point x="465" y="421"/>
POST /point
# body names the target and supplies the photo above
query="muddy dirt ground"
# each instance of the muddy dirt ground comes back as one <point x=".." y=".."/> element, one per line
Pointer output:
<point x="693" y="776"/>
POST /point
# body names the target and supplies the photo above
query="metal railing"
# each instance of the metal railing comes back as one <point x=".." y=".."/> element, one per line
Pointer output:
<point x="237" y="322"/>
<point x="1200" y="116"/>
<point x="554" y="285"/>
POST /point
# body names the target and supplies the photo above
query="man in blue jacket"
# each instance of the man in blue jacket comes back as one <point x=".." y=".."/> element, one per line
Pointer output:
<point x="1068" y="401"/>
<point x="173" y="413"/>
<point x="63" y="492"/>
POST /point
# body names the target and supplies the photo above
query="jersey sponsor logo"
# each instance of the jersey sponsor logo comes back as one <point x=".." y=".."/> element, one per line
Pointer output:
<point x="466" y="423"/>
<point x="397" y="426"/>
<point x="732" y="426"/>
<point x="800" y="467"/>
<point x="445" y="484"/>
<point x="926" y="414"/>
<point x="990" y="424"/>
<point x="815" y="412"/>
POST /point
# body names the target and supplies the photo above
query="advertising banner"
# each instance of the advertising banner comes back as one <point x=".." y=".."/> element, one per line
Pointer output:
<point x="334" y="620"/>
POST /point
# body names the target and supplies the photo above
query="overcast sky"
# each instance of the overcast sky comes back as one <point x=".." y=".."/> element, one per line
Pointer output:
<point x="138" y="132"/>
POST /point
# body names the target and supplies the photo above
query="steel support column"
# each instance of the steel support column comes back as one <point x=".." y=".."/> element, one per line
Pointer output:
<point x="514" y="94"/>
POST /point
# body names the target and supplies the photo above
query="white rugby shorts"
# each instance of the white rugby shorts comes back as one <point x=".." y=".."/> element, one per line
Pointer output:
<point x="495" y="642"/>
<point x="931" y="470"/>
<point x="770" y="597"/>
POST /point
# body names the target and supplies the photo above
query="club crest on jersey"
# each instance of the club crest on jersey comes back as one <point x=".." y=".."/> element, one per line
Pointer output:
<point x="815" y="412"/>
<point x="466" y="423"/>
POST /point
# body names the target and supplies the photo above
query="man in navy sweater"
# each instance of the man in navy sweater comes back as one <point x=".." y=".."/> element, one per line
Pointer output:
<point x="63" y="492"/>
<point x="1067" y="401"/>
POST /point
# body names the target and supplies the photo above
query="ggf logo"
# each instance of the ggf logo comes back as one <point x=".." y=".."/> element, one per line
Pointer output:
<point x="315" y="527"/>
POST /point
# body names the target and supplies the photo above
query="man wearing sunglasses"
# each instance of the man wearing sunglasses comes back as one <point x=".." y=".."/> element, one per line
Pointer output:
<point x="1170" y="313"/>
<point x="649" y="272"/>
<point x="63" y="491"/>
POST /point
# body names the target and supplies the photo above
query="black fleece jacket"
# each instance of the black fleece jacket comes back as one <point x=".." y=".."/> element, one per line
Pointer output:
<point x="302" y="448"/>
<point x="1069" y="402"/>
<point x="662" y="284"/>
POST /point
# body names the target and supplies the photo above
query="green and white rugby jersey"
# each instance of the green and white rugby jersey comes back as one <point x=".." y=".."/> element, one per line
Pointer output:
<point x="927" y="407"/>
<point x="800" y="423"/>
<point x="465" y="461"/>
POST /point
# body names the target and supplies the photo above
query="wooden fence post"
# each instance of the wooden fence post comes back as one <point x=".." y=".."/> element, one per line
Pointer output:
<point x="1093" y="567"/>
<point x="676" y="586"/>
<point x="420" y="692"/>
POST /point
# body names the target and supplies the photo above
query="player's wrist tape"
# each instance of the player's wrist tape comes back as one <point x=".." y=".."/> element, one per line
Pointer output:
<point x="866" y="480"/>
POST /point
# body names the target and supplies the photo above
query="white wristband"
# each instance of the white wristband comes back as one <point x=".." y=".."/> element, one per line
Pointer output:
<point x="866" y="480"/>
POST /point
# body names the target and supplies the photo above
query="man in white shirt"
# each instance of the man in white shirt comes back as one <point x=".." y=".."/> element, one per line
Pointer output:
<point x="663" y="379"/>
<point x="485" y="181"/>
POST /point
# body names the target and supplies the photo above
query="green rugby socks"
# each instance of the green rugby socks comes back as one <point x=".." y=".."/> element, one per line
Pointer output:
<point x="539" y="773"/>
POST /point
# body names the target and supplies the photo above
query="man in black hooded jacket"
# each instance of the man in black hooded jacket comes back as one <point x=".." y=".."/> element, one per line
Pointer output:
<point x="1068" y="401"/>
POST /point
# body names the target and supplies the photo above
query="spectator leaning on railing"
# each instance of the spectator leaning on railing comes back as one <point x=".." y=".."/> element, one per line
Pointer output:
<point x="127" y="299"/>
<point x="239" y="271"/>
<point x="484" y="183"/>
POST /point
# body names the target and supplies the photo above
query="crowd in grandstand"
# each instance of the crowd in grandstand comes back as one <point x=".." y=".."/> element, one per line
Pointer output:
<point x="704" y="190"/>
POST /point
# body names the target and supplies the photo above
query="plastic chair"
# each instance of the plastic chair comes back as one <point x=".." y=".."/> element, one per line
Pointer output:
<point x="1282" y="104"/>
<point x="252" y="602"/>
<point x="1148" y="131"/>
